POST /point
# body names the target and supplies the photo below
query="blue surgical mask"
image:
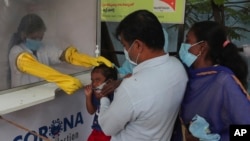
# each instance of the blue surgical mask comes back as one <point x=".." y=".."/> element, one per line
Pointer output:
<point x="33" y="45"/>
<point x="127" y="55"/>
<point x="187" y="57"/>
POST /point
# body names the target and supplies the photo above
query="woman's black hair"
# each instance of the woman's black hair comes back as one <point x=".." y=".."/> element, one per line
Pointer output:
<point x="29" y="23"/>
<point x="224" y="54"/>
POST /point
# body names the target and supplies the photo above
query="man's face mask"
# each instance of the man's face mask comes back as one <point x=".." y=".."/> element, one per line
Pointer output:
<point x="33" y="45"/>
<point x="187" y="57"/>
<point x="126" y="53"/>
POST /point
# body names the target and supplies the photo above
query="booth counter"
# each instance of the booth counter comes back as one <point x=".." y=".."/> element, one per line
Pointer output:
<point x="47" y="111"/>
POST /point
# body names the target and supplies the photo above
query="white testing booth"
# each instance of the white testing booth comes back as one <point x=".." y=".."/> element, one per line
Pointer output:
<point x="36" y="107"/>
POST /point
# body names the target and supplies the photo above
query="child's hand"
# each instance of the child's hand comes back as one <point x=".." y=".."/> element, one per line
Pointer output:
<point x="88" y="90"/>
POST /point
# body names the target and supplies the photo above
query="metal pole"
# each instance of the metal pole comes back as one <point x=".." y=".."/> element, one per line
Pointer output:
<point x="98" y="24"/>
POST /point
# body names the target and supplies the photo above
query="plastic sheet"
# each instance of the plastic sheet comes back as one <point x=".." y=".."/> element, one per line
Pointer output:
<point x="68" y="23"/>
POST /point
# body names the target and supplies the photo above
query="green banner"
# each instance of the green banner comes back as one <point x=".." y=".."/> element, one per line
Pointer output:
<point x="167" y="11"/>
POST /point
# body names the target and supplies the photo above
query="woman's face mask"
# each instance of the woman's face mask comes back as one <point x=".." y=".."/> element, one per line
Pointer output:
<point x="33" y="45"/>
<point x="187" y="57"/>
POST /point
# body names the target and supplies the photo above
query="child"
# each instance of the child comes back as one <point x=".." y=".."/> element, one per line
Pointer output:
<point x="99" y="76"/>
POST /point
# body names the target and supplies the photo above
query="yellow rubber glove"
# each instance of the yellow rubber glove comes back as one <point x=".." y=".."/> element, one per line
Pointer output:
<point x="28" y="64"/>
<point x="72" y="56"/>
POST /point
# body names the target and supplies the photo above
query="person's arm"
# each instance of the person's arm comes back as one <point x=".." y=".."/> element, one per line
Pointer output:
<point x="113" y="117"/>
<point x="27" y="63"/>
<point x="15" y="73"/>
<point x="111" y="85"/>
<point x="237" y="103"/>
<point x="89" y="105"/>
<point x="72" y="56"/>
